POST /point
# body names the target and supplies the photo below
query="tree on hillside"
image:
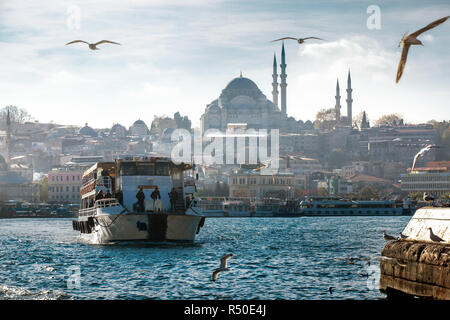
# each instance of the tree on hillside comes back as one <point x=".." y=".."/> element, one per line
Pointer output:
<point x="43" y="189"/>
<point x="390" y="119"/>
<point x="336" y="159"/>
<point x="17" y="116"/>
<point x="322" y="192"/>
<point x="367" y="193"/>
<point x="443" y="129"/>
<point x="326" y="119"/>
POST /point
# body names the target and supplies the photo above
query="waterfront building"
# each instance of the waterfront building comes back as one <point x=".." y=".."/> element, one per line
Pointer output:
<point x="64" y="182"/>
<point x="245" y="182"/>
<point x="433" y="179"/>
<point x="15" y="187"/>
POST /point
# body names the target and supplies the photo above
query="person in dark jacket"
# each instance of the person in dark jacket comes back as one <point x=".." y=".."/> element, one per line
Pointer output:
<point x="140" y="196"/>
<point x="99" y="195"/>
<point x="155" y="196"/>
<point x="173" y="195"/>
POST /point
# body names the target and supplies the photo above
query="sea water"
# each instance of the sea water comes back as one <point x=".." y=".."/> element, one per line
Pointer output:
<point x="273" y="258"/>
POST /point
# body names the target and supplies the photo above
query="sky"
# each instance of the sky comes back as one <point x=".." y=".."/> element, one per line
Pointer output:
<point x="178" y="55"/>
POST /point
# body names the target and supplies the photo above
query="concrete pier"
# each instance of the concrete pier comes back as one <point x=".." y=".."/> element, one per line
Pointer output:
<point x="420" y="264"/>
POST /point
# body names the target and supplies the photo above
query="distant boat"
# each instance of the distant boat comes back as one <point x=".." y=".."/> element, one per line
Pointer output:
<point x="310" y="206"/>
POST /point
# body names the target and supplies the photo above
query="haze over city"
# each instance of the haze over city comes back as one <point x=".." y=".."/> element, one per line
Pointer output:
<point x="179" y="55"/>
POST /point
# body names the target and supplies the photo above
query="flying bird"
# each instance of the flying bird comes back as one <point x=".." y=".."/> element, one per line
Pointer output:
<point x="427" y="197"/>
<point x="388" y="237"/>
<point x="434" y="237"/>
<point x="223" y="266"/>
<point x="411" y="39"/>
<point x="93" y="46"/>
<point x="299" y="40"/>
<point x="422" y="152"/>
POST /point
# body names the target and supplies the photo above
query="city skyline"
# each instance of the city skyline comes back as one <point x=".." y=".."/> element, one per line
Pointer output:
<point x="178" y="56"/>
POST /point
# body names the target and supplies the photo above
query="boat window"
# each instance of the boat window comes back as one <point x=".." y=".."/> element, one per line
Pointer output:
<point x="146" y="169"/>
<point x="128" y="169"/>
<point x="162" y="169"/>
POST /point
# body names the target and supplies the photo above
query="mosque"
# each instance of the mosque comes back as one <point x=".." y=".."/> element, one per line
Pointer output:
<point x="242" y="102"/>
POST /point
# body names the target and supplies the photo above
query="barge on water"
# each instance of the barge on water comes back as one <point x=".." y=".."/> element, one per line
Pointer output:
<point x="332" y="206"/>
<point x="310" y="206"/>
<point x="119" y="215"/>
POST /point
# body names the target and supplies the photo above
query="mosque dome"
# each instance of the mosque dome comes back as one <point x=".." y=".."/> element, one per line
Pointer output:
<point x="139" y="128"/>
<point x="139" y="123"/>
<point x="241" y="83"/>
<point x="87" y="131"/>
<point x="118" y="130"/>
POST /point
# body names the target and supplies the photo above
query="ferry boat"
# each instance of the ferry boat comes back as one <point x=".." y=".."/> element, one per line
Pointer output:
<point x="332" y="206"/>
<point x="121" y="217"/>
<point x="245" y="207"/>
<point x="310" y="206"/>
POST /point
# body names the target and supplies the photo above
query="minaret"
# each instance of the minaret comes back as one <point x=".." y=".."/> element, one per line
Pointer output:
<point x="275" y="82"/>
<point x="349" y="99"/>
<point x="337" y="107"/>
<point x="283" y="84"/>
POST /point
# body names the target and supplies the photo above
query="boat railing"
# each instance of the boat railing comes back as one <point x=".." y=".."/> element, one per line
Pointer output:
<point x="104" y="181"/>
<point x="102" y="203"/>
<point x="107" y="202"/>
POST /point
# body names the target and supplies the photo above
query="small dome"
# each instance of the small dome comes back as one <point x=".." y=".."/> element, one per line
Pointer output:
<point x="87" y="131"/>
<point x="139" y="122"/>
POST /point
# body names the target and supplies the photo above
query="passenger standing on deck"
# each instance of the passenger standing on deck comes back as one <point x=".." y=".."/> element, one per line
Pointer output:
<point x="173" y="198"/>
<point x="155" y="196"/>
<point x="140" y="196"/>
<point x="99" y="195"/>
<point x="108" y="195"/>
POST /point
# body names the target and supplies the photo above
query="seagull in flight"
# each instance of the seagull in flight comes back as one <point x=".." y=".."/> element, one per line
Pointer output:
<point x="223" y="266"/>
<point x="411" y="39"/>
<point x="93" y="46"/>
<point x="299" y="40"/>
<point x="427" y="197"/>
<point x="388" y="237"/>
<point x="422" y="152"/>
<point x="434" y="237"/>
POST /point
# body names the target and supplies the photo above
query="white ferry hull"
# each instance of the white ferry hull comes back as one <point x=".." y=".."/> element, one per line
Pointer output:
<point x="177" y="227"/>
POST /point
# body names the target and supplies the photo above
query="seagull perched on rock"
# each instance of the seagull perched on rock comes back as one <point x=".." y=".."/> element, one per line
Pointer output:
<point x="223" y="266"/>
<point x="402" y="236"/>
<point x="411" y="39"/>
<point x="93" y="46"/>
<point x="434" y="237"/>
<point x="388" y="237"/>
<point x="299" y="40"/>
<point x="422" y="152"/>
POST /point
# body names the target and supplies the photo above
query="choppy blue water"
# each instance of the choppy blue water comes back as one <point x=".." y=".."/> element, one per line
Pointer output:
<point x="274" y="258"/>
